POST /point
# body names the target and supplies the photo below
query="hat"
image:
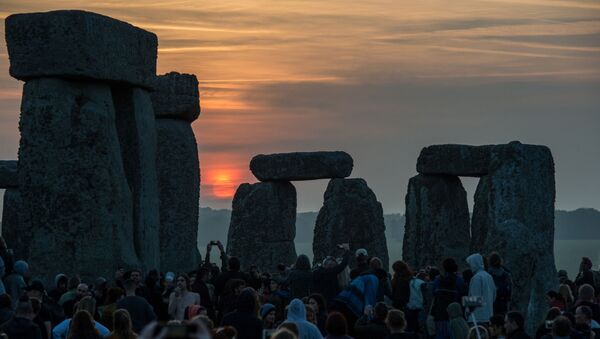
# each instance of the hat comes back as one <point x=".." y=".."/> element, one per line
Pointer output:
<point x="265" y="309"/>
<point x="361" y="252"/>
<point x="170" y="276"/>
<point x="35" y="285"/>
<point x="21" y="267"/>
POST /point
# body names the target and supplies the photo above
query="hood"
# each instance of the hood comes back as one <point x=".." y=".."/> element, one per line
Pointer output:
<point x="475" y="262"/>
<point x="247" y="301"/>
<point x="58" y="278"/>
<point x="454" y="310"/>
<point x="296" y="311"/>
<point x="302" y="263"/>
<point x="265" y="309"/>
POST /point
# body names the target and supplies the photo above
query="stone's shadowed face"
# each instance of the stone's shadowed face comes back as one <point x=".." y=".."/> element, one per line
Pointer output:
<point x="313" y="304"/>
<point x="510" y="326"/>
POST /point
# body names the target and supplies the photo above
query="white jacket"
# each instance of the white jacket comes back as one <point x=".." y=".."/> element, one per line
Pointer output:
<point x="481" y="285"/>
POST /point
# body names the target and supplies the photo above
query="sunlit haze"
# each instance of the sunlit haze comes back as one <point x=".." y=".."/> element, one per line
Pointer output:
<point x="377" y="79"/>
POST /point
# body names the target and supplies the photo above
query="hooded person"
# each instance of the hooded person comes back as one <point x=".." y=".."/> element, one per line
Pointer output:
<point x="60" y="287"/>
<point x="481" y="285"/>
<point x="15" y="281"/>
<point x="457" y="325"/>
<point x="244" y="319"/>
<point x="297" y="315"/>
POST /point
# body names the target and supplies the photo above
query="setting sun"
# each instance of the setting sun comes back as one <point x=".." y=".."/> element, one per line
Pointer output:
<point x="223" y="185"/>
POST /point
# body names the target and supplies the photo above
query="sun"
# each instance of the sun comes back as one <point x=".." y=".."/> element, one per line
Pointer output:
<point x="223" y="185"/>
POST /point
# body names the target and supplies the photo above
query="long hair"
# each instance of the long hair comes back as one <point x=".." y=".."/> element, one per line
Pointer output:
<point x="82" y="326"/>
<point x="122" y="324"/>
<point x="402" y="273"/>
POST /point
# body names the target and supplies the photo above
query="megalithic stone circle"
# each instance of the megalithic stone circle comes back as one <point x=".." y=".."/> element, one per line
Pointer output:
<point x="437" y="221"/>
<point x="176" y="106"/>
<point x="459" y="160"/>
<point x="301" y="166"/>
<point x="263" y="225"/>
<point x="350" y="214"/>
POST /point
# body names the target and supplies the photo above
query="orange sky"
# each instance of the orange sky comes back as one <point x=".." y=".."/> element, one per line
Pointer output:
<point x="379" y="79"/>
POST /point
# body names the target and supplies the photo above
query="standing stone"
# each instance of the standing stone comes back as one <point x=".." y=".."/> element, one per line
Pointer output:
<point x="521" y="222"/>
<point x="80" y="45"/>
<point x="176" y="105"/>
<point x="459" y="160"/>
<point x="301" y="166"/>
<point x="8" y="174"/>
<point x="350" y="214"/>
<point x="480" y="219"/>
<point x="15" y="230"/>
<point x="263" y="225"/>
<point x="71" y="177"/>
<point x="137" y="136"/>
<point x="437" y="221"/>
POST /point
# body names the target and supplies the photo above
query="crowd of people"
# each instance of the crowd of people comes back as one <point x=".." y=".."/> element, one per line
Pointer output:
<point x="347" y="295"/>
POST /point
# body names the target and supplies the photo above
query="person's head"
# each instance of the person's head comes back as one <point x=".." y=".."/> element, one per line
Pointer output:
<point x="183" y="281"/>
<point x="36" y="290"/>
<point x="336" y="324"/>
<point x="583" y="315"/>
<point x="449" y="265"/>
<point x="395" y="321"/>
<point x="203" y="275"/>
<point x="82" y="325"/>
<point x="361" y="256"/>
<point x="248" y="301"/>
<point x="233" y="263"/>
<point x="561" y="327"/>
<point x="236" y="286"/>
<point x="401" y="270"/>
<point x="585" y="265"/>
<point x="226" y="332"/>
<point x="24" y="308"/>
<point x="302" y="263"/>
<point x="380" y="311"/>
<point x="475" y="262"/>
<point x="497" y="326"/>
<point x="375" y="263"/>
<point x="267" y="313"/>
<point x="432" y="272"/>
<point x="136" y="275"/>
<point x="82" y="290"/>
<point x="513" y="322"/>
<point x="495" y="260"/>
<point x="61" y="281"/>
<point x="130" y="285"/>
<point x="311" y="316"/>
<point x="87" y="304"/>
<point x="565" y="291"/>
<point x="284" y="333"/>
<point x="122" y="322"/>
<point x="21" y="267"/>
<point x="296" y="311"/>
<point x="113" y="295"/>
<point x="273" y="285"/>
<point x="317" y="302"/>
<point x="483" y="333"/>
<point x="5" y="301"/>
<point x="454" y="310"/>
<point x="73" y="283"/>
<point x="586" y="292"/>
<point x="290" y="326"/>
<point x="329" y="262"/>
<point x="552" y="296"/>
<point x="552" y="313"/>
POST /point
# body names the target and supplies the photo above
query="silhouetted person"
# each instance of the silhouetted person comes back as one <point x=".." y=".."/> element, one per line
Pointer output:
<point x="22" y="325"/>
<point x="244" y="319"/>
<point x="139" y="309"/>
<point x="514" y="324"/>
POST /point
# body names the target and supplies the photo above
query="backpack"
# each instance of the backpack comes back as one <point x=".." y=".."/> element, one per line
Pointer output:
<point x="503" y="284"/>
<point x="415" y="301"/>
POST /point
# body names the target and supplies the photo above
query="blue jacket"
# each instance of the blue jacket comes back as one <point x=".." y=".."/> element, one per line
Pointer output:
<point x="361" y="292"/>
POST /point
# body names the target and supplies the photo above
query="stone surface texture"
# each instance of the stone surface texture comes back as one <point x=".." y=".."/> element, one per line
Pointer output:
<point x="521" y="198"/>
<point x="350" y="214"/>
<point x="179" y="192"/>
<point x="137" y="136"/>
<point x="80" y="45"/>
<point x="15" y="229"/>
<point x="437" y="221"/>
<point x="263" y="225"/>
<point x="479" y="219"/>
<point x="8" y="174"/>
<point x="459" y="160"/>
<point x="176" y="97"/>
<point x="301" y="166"/>
<point x="72" y="180"/>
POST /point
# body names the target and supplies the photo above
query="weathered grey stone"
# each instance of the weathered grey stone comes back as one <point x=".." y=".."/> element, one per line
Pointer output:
<point x="437" y="221"/>
<point x="521" y="222"/>
<point x="72" y="180"/>
<point x="479" y="219"/>
<point x="301" y="166"/>
<point x="179" y="192"/>
<point x="8" y="173"/>
<point x="176" y="96"/>
<point x="15" y="230"/>
<point x="459" y="160"/>
<point x="80" y="45"/>
<point x="350" y="214"/>
<point x="137" y="136"/>
<point x="263" y="225"/>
